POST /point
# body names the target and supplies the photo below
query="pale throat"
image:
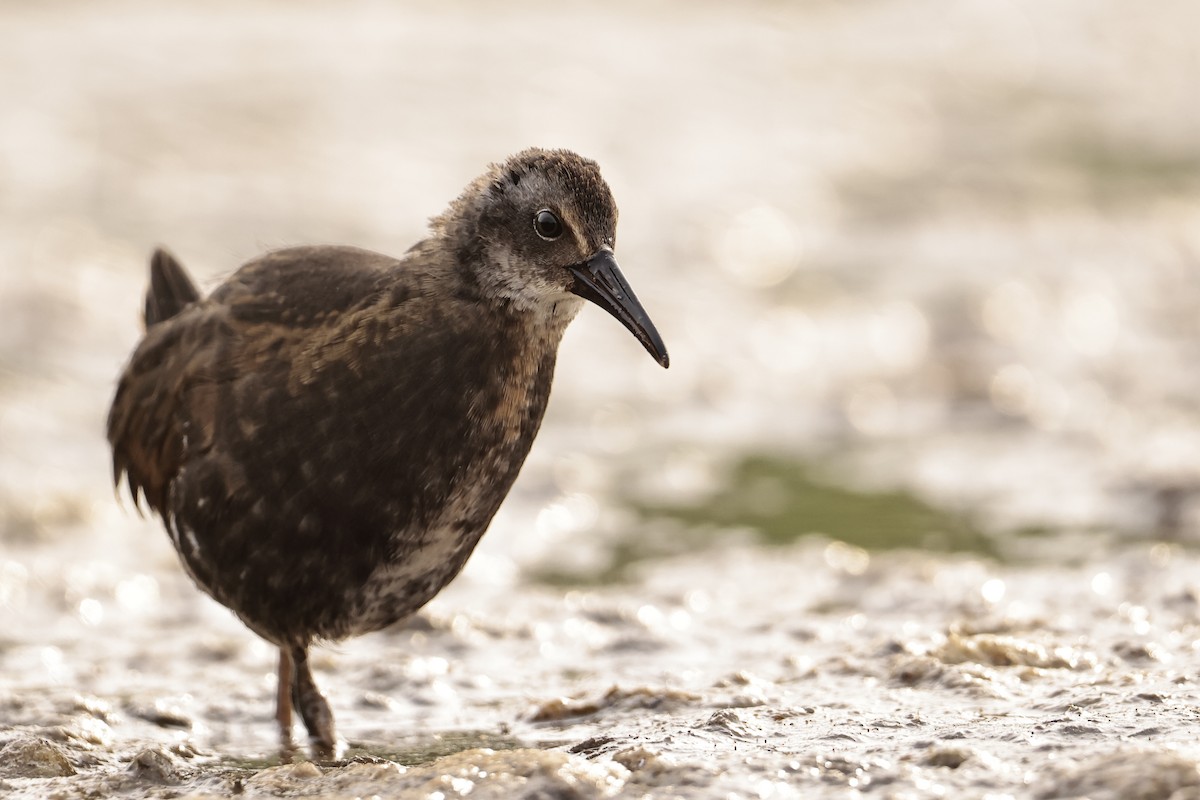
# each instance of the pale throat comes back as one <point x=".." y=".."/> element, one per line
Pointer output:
<point x="546" y="302"/>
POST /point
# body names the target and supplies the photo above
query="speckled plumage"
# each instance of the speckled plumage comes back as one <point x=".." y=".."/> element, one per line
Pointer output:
<point x="328" y="435"/>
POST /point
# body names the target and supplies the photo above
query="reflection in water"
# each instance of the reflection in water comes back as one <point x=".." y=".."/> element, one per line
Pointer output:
<point x="1090" y="323"/>
<point x="1012" y="313"/>
<point x="899" y="336"/>
<point x="759" y="248"/>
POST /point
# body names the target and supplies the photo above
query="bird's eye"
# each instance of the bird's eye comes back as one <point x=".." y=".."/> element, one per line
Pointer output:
<point x="546" y="225"/>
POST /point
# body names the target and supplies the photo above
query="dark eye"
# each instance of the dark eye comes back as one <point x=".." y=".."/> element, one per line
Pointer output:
<point x="546" y="225"/>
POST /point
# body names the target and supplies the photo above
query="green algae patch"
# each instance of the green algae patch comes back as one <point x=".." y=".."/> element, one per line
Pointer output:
<point x="777" y="501"/>
<point x="782" y="501"/>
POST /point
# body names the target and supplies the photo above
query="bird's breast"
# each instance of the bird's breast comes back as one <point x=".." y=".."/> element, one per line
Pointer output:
<point x="492" y="440"/>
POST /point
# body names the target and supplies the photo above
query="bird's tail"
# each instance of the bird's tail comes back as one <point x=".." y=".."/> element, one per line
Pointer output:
<point x="170" y="288"/>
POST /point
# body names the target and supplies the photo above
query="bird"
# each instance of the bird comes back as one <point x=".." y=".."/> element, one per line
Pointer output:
<point x="327" y="435"/>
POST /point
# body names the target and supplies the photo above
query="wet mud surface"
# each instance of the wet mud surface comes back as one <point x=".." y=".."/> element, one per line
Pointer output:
<point x="912" y="515"/>
<point x="807" y="671"/>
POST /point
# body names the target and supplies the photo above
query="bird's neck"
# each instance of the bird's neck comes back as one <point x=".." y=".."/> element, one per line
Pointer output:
<point x="546" y="312"/>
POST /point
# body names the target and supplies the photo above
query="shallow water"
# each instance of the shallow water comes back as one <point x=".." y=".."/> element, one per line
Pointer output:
<point x="912" y="513"/>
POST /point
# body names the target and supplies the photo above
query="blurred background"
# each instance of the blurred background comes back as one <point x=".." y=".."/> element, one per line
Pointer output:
<point x="928" y="272"/>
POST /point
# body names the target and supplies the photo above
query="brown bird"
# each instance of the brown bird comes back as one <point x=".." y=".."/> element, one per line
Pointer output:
<point x="328" y="434"/>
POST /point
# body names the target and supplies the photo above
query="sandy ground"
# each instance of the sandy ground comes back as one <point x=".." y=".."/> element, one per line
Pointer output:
<point x="942" y="251"/>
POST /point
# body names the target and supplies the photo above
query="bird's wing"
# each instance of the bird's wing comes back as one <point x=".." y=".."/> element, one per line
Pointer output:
<point x="303" y="287"/>
<point x="146" y="424"/>
<point x="167" y="402"/>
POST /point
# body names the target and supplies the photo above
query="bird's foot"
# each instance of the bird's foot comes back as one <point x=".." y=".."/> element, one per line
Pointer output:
<point x="289" y="753"/>
<point x="323" y="751"/>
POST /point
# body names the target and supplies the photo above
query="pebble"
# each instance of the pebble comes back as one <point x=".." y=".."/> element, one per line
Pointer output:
<point x="33" y="757"/>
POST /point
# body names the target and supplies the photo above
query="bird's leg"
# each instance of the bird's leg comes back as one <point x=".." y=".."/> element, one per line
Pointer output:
<point x="313" y="707"/>
<point x="283" y="702"/>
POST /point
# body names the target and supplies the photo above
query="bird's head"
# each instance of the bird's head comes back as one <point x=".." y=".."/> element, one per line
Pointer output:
<point x="538" y="231"/>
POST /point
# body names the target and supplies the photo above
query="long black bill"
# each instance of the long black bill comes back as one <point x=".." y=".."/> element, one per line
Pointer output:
<point x="600" y="280"/>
